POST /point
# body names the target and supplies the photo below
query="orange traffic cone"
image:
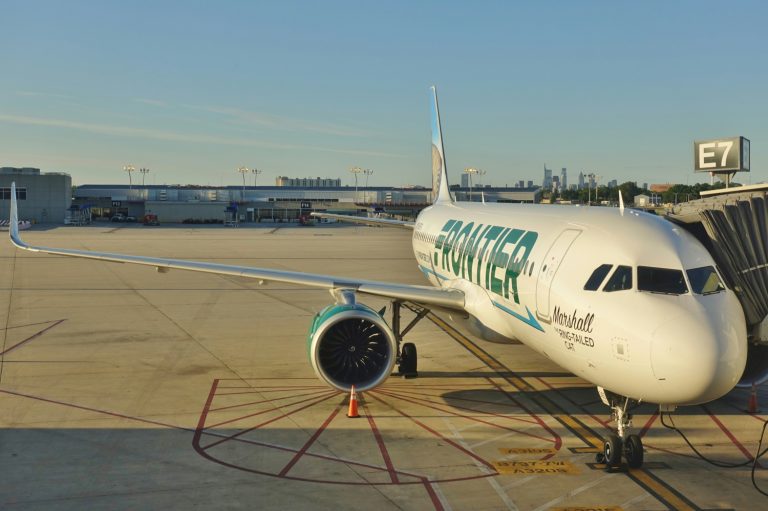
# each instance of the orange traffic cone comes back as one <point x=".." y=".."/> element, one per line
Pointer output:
<point x="753" y="401"/>
<point x="352" y="404"/>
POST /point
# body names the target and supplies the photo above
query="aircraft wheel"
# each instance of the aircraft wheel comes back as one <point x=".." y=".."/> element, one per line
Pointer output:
<point x="408" y="360"/>
<point x="612" y="451"/>
<point x="633" y="451"/>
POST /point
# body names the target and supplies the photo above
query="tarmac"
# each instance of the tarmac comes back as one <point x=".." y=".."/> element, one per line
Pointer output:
<point x="124" y="388"/>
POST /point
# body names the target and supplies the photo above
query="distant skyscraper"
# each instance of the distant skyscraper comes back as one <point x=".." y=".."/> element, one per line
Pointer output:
<point x="465" y="180"/>
<point x="530" y="184"/>
<point x="547" y="184"/>
<point x="563" y="179"/>
<point x="581" y="180"/>
<point x="555" y="184"/>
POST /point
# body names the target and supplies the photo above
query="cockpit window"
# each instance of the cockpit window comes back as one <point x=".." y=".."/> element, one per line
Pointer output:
<point x="705" y="281"/>
<point x="620" y="280"/>
<point x="597" y="277"/>
<point x="661" y="280"/>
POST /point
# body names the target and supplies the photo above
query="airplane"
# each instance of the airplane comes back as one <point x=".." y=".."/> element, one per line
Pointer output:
<point x="625" y="300"/>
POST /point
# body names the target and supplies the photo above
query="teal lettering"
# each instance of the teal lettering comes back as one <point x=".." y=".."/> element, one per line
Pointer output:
<point x="448" y="245"/>
<point x="473" y="245"/>
<point x="490" y="235"/>
<point x="516" y="263"/>
<point x="490" y="266"/>
<point x="457" y="256"/>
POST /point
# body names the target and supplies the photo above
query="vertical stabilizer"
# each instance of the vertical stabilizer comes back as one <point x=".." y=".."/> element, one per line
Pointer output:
<point x="440" y="191"/>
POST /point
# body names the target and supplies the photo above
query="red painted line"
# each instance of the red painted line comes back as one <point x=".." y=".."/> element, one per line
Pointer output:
<point x="728" y="433"/>
<point x="204" y="415"/>
<point x="648" y="424"/>
<point x="436" y="433"/>
<point x="309" y="443"/>
<point x="95" y="410"/>
<point x="272" y="409"/>
<point x="468" y="417"/>
<point x="268" y="400"/>
<point x="490" y="403"/>
<point x="382" y="446"/>
<point x="34" y="336"/>
<point x="433" y="496"/>
<point x="558" y="441"/>
<point x="269" y="421"/>
<point x="452" y="398"/>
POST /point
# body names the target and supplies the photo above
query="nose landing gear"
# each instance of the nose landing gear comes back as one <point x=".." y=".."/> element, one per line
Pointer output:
<point x="630" y="446"/>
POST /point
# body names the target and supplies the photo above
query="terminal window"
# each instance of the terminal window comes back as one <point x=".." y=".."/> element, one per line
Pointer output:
<point x="21" y="193"/>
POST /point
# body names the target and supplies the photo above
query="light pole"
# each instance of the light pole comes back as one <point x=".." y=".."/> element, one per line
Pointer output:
<point x="243" y="171"/>
<point x="256" y="173"/>
<point x="144" y="172"/>
<point x="367" y="173"/>
<point x="129" y="169"/>
<point x="470" y="172"/>
<point x="356" y="171"/>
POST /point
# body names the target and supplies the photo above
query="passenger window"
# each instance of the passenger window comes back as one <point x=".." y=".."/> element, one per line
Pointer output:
<point x="705" y="281"/>
<point x="661" y="280"/>
<point x="620" y="280"/>
<point x="597" y="277"/>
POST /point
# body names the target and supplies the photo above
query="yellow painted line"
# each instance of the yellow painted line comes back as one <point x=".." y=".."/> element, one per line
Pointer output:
<point x="526" y="450"/>
<point x="659" y="490"/>
<point x="589" y="508"/>
<point x="536" y="467"/>
<point x="586" y="450"/>
<point x="521" y="385"/>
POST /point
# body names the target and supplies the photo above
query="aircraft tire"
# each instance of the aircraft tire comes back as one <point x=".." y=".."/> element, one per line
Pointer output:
<point x="408" y="361"/>
<point x="612" y="451"/>
<point x="633" y="451"/>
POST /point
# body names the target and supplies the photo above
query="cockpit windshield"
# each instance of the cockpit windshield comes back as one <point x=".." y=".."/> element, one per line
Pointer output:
<point x="704" y="280"/>
<point x="661" y="280"/>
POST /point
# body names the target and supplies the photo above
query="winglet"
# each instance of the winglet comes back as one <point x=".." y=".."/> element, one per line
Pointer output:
<point x="440" y="191"/>
<point x="621" y="203"/>
<point x="13" y="228"/>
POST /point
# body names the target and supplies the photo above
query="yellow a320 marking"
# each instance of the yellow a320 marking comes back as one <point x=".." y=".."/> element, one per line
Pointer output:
<point x="535" y="467"/>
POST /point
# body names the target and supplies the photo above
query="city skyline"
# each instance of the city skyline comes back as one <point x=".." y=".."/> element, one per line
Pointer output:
<point x="193" y="91"/>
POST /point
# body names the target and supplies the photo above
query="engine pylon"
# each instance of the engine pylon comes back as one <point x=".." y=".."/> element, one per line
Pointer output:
<point x="352" y="413"/>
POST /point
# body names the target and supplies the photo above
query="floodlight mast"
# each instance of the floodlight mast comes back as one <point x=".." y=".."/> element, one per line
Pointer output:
<point x="243" y="171"/>
<point x="356" y="171"/>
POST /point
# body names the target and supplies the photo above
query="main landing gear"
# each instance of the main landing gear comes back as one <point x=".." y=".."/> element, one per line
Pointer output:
<point x="407" y="357"/>
<point x="629" y="446"/>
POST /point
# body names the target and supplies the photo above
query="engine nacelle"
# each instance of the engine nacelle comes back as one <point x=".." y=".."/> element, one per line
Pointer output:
<point x="351" y="344"/>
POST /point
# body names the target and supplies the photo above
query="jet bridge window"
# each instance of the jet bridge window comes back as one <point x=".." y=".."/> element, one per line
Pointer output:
<point x="661" y="280"/>
<point x="620" y="280"/>
<point x="597" y="277"/>
<point x="705" y="281"/>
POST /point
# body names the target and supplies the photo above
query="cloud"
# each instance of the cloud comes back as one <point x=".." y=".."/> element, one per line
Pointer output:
<point x="35" y="94"/>
<point x="154" y="134"/>
<point x="282" y="123"/>
<point x="153" y="102"/>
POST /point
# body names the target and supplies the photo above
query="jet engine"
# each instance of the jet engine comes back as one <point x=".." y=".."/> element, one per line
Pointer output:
<point x="351" y="344"/>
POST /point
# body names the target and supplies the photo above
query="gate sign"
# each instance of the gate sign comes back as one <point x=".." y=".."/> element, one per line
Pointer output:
<point x="721" y="155"/>
<point x="306" y="205"/>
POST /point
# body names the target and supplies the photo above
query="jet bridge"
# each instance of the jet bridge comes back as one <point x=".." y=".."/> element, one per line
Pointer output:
<point x="733" y="225"/>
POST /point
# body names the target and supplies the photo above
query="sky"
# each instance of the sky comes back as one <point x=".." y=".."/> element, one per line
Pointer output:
<point x="193" y="90"/>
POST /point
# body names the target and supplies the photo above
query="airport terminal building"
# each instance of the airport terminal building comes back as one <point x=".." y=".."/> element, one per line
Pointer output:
<point x="211" y="204"/>
<point x="44" y="197"/>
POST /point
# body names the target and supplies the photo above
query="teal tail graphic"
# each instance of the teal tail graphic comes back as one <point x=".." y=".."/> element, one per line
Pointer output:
<point x="440" y="191"/>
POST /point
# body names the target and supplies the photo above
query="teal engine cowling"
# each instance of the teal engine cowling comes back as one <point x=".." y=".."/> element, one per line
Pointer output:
<point x="351" y="344"/>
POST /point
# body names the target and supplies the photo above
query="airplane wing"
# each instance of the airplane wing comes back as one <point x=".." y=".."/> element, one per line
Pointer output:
<point x="425" y="295"/>
<point x="386" y="222"/>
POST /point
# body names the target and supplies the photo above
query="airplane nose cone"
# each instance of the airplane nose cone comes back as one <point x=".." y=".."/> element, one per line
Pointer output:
<point x="698" y="358"/>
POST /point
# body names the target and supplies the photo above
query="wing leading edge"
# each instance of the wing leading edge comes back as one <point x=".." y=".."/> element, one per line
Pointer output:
<point x="448" y="298"/>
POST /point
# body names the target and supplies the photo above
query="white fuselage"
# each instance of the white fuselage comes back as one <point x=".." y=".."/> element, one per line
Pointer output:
<point x="523" y="269"/>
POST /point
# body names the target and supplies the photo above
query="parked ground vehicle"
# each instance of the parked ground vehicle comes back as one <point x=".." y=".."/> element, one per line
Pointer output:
<point x="150" y="219"/>
<point x="117" y="217"/>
